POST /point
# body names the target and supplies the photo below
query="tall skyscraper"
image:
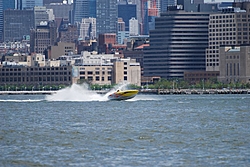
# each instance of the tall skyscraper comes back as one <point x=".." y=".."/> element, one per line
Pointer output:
<point x="126" y="12"/>
<point x="8" y="4"/>
<point x="60" y="10"/>
<point x="43" y="36"/>
<point x="17" y="24"/>
<point x="177" y="45"/>
<point x="31" y="3"/>
<point x="83" y="9"/>
<point x="92" y="8"/>
<point x="1" y="20"/>
<point x="165" y="4"/>
<point x="46" y="2"/>
<point x="106" y="16"/>
<point x="4" y="4"/>
<point x="80" y="10"/>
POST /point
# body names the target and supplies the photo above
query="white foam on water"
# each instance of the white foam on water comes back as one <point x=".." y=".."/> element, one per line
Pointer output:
<point x="76" y="93"/>
<point x="29" y="100"/>
<point x="83" y="93"/>
<point x="144" y="98"/>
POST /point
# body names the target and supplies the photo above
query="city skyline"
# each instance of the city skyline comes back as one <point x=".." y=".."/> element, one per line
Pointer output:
<point x="206" y="1"/>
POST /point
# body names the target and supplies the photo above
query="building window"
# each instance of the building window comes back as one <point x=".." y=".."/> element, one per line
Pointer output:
<point x="90" y="78"/>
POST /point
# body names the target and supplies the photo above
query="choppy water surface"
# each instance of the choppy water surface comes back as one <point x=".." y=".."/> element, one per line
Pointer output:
<point x="150" y="130"/>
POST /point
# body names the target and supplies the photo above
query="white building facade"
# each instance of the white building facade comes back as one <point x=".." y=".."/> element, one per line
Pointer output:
<point x="88" y="28"/>
<point x="133" y="27"/>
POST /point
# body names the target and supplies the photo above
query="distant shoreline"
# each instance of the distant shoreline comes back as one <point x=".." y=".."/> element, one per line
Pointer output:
<point x="144" y="91"/>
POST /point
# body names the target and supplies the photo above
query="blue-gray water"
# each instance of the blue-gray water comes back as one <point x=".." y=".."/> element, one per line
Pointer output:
<point x="150" y="130"/>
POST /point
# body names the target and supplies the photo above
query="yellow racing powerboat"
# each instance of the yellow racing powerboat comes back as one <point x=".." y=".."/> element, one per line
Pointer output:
<point x="123" y="95"/>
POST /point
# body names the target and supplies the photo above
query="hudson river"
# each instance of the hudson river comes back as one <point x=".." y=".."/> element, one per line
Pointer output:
<point x="77" y="128"/>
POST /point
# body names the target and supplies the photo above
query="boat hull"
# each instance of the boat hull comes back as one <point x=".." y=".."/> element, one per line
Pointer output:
<point x="123" y="95"/>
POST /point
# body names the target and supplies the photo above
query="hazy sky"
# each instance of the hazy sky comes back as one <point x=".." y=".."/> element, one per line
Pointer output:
<point x="219" y="0"/>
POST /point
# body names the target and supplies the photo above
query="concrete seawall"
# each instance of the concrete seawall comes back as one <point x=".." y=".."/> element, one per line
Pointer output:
<point x="26" y="92"/>
<point x="37" y="92"/>
<point x="195" y="91"/>
<point x="205" y="91"/>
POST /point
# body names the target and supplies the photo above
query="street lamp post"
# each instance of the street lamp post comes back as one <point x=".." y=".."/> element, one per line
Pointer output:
<point x="177" y="84"/>
<point x="203" y="84"/>
<point x="173" y="85"/>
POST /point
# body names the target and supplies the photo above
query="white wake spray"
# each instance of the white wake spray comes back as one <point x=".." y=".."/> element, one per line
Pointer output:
<point x="81" y="93"/>
<point x="75" y="93"/>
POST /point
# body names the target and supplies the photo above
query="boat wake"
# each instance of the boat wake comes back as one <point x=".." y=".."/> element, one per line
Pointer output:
<point x="83" y="93"/>
<point x="80" y="93"/>
<point x="21" y="101"/>
<point x="75" y="93"/>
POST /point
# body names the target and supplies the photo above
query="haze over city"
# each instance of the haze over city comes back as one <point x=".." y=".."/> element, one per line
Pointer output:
<point x="105" y="42"/>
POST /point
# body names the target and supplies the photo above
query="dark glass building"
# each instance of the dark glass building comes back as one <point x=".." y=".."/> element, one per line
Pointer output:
<point x="83" y="9"/>
<point x="126" y="12"/>
<point x="46" y="2"/>
<point x="92" y="8"/>
<point x="106" y="16"/>
<point x="17" y="23"/>
<point x="177" y="44"/>
<point x="8" y="4"/>
<point x="165" y="4"/>
<point x="80" y="10"/>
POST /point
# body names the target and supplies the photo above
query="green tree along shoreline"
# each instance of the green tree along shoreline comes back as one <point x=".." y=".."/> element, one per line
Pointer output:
<point x="203" y="84"/>
<point x="161" y="84"/>
<point x="7" y="87"/>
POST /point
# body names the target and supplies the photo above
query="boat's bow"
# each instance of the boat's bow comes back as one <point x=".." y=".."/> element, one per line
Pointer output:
<point x="123" y="95"/>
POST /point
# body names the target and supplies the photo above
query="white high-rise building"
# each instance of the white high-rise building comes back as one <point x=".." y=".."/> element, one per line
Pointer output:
<point x="50" y="13"/>
<point x="133" y="26"/>
<point x="88" y="28"/>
